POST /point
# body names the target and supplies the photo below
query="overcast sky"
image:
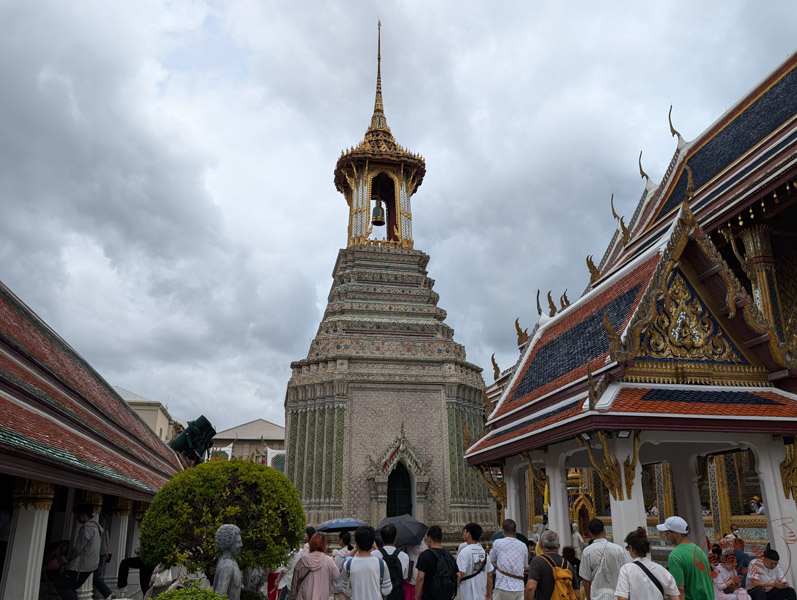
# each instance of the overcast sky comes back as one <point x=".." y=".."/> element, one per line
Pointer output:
<point x="166" y="194"/>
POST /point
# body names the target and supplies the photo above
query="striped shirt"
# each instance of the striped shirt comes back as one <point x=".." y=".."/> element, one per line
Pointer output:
<point x="600" y="565"/>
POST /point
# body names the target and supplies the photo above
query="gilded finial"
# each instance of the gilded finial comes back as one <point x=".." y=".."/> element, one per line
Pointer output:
<point x="522" y="334"/>
<point x="623" y="228"/>
<point x="551" y="305"/>
<point x="563" y="301"/>
<point x="378" y="120"/>
<point x="594" y="274"/>
<point x="673" y="130"/>
<point x="642" y="173"/>
<point x="614" y="337"/>
<point x="496" y="370"/>
<point x="690" y="184"/>
<point x="539" y="308"/>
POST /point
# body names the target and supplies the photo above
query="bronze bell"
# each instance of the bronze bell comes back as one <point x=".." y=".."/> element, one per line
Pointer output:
<point x="378" y="214"/>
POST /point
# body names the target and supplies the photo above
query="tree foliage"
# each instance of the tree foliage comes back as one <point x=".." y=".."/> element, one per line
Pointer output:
<point x="181" y="523"/>
<point x="193" y="592"/>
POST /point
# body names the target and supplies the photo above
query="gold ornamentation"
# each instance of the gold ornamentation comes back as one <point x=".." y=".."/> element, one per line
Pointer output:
<point x="89" y="497"/>
<point x="496" y="370"/>
<point x="595" y="391"/>
<point x="690" y="185"/>
<point x="488" y="406"/>
<point x="629" y="465"/>
<point x="594" y="274"/>
<point x="33" y="494"/>
<point x="609" y="472"/>
<point x="788" y="472"/>
<point x="522" y="334"/>
<point x="684" y="329"/>
<point x="673" y="131"/>
<point x="539" y="308"/>
<point x="564" y="300"/>
<point x="551" y="305"/>
<point x="626" y="236"/>
<point x="642" y="173"/>
<point x="120" y="506"/>
<point x="615" y="343"/>
<point x="139" y="508"/>
<point x="466" y="439"/>
<point x="496" y="486"/>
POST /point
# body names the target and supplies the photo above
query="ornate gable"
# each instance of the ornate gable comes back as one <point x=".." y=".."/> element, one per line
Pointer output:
<point x="696" y="323"/>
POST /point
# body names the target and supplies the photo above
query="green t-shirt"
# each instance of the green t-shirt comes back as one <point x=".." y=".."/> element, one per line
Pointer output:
<point x="689" y="566"/>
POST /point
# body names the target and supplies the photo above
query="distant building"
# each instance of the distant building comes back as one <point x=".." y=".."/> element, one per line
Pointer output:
<point x="260" y="440"/>
<point x="153" y="413"/>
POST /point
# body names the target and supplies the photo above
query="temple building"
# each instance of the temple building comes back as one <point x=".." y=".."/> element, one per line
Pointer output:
<point x="66" y="438"/>
<point x="672" y="381"/>
<point x="376" y="414"/>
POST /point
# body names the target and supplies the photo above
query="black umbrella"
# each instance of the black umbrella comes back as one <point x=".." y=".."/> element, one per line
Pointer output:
<point x="499" y="534"/>
<point x="343" y="524"/>
<point x="409" y="530"/>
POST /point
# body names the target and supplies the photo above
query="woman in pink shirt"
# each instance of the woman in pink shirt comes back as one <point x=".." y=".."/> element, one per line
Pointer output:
<point x="315" y="572"/>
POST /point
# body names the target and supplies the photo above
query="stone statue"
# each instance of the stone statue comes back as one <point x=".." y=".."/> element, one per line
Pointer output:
<point x="227" y="579"/>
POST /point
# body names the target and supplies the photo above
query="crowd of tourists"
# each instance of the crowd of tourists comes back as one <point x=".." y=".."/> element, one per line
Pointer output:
<point x="371" y="567"/>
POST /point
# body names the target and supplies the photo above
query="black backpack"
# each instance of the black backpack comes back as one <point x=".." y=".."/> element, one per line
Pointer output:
<point x="444" y="582"/>
<point x="396" y="578"/>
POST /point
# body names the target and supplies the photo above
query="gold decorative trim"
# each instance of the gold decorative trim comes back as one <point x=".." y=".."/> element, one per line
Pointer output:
<point x="496" y="369"/>
<point x="139" y="509"/>
<point x="626" y="236"/>
<point x="609" y="472"/>
<point x="551" y="305"/>
<point x="788" y="472"/>
<point x="695" y="373"/>
<point x="33" y="494"/>
<point x="120" y="506"/>
<point x="594" y="274"/>
<point x="523" y="334"/>
<point x="496" y="487"/>
<point x="629" y="465"/>
<point x="89" y="497"/>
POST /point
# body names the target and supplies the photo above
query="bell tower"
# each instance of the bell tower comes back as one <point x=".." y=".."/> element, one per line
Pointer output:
<point x="378" y="178"/>
<point x="378" y="412"/>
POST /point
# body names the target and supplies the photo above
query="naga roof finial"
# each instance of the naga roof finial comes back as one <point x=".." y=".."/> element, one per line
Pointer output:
<point x="642" y="173"/>
<point x="673" y="130"/>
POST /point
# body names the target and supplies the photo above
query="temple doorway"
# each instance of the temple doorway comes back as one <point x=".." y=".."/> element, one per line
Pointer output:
<point x="399" y="492"/>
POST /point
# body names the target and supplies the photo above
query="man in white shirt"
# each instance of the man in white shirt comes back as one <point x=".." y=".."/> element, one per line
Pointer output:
<point x="365" y="576"/>
<point x="601" y="562"/>
<point x="475" y="569"/>
<point x="510" y="558"/>
<point x="765" y="579"/>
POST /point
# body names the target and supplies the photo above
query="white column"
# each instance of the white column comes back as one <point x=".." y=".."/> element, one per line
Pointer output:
<point x="25" y="553"/>
<point x="629" y="513"/>
<point x="558" y="513"/>
<point x="513" y="477"/>
<point x="781" y="511"/>
<point x="684" y="478"/>
<point x="117" y="548"/>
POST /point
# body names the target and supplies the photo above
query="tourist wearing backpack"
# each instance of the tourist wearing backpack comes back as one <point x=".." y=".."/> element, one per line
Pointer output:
<point x="397" y="562"/>
<point x="551" y="577"/>
<point x="365" y="575"/>
<point x="437" y="570"/>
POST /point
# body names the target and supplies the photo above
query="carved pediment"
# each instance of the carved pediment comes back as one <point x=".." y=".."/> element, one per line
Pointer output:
<point x="685" y="330"/>
<point x="400" y="449"/>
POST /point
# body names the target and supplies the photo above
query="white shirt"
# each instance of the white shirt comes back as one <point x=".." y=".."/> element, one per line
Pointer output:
<point x="633" y="578"/>
<point x="758" y="570"/>
<point x="601" y="562"/>
<point x="403" y="559"/>
<point x="288" y="577"/>
<point x="469" y="560"/>
<point x="510" y="555"/>
<point x="365" y="573"/>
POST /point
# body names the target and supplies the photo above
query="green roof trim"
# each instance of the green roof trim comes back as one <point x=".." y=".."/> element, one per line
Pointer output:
<point x="21" y="442"/>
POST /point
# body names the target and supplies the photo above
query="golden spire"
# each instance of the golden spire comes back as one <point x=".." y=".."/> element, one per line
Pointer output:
<point x="378" y="120"/>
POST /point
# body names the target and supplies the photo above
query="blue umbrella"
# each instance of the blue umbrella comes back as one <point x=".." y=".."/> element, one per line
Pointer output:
<point x="343" y="524"/>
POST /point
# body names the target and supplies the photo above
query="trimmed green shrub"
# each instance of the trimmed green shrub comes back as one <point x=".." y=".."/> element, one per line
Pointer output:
<point x="194" y="592"/>
<point x="250" y="595"/>
<point x="180" y="525"/>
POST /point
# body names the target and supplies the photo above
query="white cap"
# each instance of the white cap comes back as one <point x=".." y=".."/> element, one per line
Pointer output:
<point x="676" y="524"/>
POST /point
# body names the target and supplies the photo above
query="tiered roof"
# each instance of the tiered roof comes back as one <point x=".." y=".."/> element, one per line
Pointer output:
<point x="604" y="362"/>
<point x="61" y="422"/>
